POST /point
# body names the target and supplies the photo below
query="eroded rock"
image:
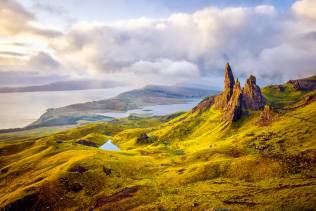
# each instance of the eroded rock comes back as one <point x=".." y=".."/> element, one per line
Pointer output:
<point x="233" y="110"/>
<point x="251" y="95"/>
<point x="221" y="101"/>
<point x="234" y="101"/>
<point x="306" y="84"/>
<point x="267" y="116"/>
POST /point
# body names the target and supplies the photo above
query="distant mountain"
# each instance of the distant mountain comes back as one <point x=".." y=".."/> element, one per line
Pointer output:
<point x="138" y="98"/>
<point x="63" y="86"/>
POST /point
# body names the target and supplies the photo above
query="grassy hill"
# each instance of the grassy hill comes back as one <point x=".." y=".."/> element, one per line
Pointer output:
<point x="188" y="161"/>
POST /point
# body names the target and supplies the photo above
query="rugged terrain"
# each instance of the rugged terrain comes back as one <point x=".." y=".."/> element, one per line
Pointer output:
<point x="243" y="149"/>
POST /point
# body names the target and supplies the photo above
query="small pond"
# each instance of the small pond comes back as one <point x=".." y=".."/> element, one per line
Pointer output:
<point x="109" y="146"/>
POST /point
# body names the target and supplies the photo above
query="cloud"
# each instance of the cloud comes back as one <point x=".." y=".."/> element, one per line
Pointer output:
<point x="10" y="53"/>
<point x="184" y="47"/>
<point x="15" y="19"/>
<point x="164" y="71"/>
<point x="43" y="62"/>
<point x="203" y="40"/>
<point x="43" y="6"/>
<point x="305" y="8"/>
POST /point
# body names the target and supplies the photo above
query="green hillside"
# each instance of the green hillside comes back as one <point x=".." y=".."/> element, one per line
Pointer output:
<point x="188" y="161"/>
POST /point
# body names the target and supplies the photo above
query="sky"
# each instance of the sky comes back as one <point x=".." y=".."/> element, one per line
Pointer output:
<point x="183" y="42"/>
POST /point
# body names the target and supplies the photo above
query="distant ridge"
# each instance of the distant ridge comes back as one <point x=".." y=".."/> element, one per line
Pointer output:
<point x="63" y="86"/>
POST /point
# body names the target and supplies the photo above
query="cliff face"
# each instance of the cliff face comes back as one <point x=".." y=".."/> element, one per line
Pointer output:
<point x="234" y="101"/>
<point x="305" y="84"/>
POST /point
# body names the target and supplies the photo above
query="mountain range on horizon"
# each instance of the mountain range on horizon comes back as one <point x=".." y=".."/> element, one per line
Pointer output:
<point x="64" y="86"/>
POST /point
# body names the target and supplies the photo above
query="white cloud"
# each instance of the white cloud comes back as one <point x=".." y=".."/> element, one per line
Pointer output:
<point x="15" y="19"/>
<point x="205" y="39"/>
<point x="166" y="68"/>
<point x="44" y="62"/>
<point x="184" y="46"/>
<point x="305" y="8"/>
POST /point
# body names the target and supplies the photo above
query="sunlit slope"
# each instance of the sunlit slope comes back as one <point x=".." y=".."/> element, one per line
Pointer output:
<point x="188" y="161"/>
<point x="286" y="94"/>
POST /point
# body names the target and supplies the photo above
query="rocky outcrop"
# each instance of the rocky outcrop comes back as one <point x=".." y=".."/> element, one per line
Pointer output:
<point x="267" y="116"/>
<point x="234" y="101"/>
<point x="221" y="101"/>
<point x="87" y="143"/>
<point x="143" y="138"/>
<point x="78" y="169"/>
<point x="251" y="95"/>
<point x="233" y="110"/>
<point x="305" y="84"/>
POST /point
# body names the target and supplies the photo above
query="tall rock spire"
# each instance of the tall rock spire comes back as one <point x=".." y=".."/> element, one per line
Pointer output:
<point x="222" y="100"/>
<point x="234" y="101"/>
<point x="229" y="81"/>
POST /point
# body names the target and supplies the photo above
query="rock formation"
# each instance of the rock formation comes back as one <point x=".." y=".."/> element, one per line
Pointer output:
<point x="251" y="95"/>
<point x="233" y="110"/>
<point x="267" y="116"/>
<point x="234" y="101"/>
<point x="305" y="84"/>
<point x="222" y="99"/>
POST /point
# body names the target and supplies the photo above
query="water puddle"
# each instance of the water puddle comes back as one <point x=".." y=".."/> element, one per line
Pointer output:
<point x="109" y="146"/>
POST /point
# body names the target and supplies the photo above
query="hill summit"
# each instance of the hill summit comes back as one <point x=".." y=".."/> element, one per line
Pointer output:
<point x="234" y="100"/>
